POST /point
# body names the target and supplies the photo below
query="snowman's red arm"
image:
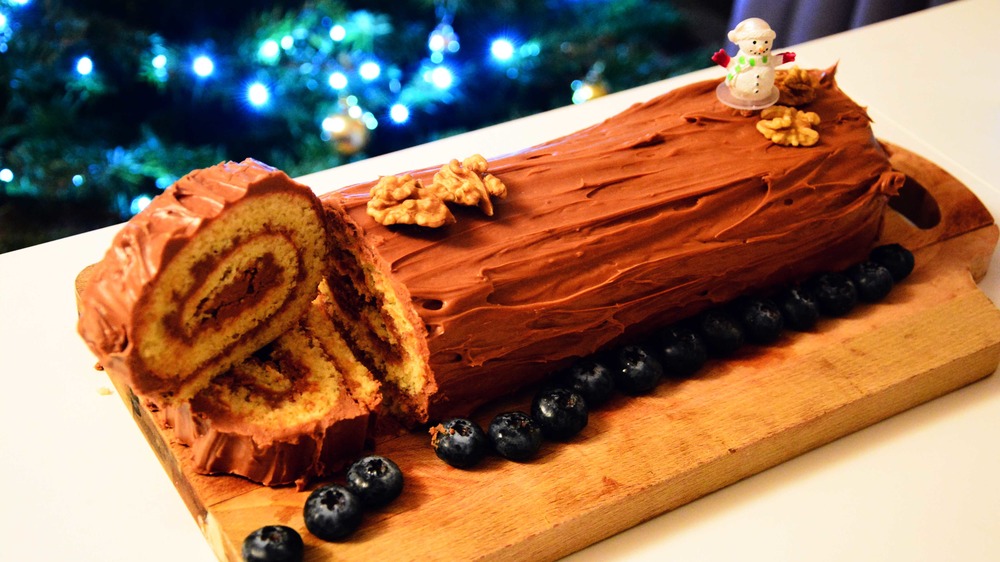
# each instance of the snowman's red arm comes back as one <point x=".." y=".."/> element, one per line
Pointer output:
<point x="721" y="58"/>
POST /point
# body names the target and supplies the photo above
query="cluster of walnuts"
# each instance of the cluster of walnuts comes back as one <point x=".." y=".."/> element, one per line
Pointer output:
<point x="785" y="125"/>
<point x="404" y="200"/>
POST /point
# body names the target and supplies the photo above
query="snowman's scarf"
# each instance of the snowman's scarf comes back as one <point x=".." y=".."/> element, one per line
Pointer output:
<point x="743" y="62"/>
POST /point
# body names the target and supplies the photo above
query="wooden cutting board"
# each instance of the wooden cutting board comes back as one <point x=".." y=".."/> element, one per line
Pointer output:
<point x="640" y="457"/>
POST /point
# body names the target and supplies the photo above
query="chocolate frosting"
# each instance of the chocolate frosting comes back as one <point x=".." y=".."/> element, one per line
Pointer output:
<point x="671" y="207"/>
<point x="112" y="302"/>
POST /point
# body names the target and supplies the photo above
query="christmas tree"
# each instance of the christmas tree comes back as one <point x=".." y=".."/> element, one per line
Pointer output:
<point x="108" y="102"/>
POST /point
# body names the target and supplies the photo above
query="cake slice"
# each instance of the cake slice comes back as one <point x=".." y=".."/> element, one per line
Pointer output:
<point x="215" y="268"/>
<point x="208" y="306"/>
<point x="297" y="409"/>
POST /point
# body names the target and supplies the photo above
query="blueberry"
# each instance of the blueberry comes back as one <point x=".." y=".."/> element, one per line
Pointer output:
<point x="459" y="442"/>
<point x="722" y="333"/>
<point x="638" y="371"/>
<point x="376" y="480"/>
<point x="835" y="293"/>
<point x="515" y="436"/>
<point x="682" y="350"/>
<point x="273" y="543"/>
<point x="897" y="259"/>
<point x="761" y="320"/>
<point x="560" y="412"/>
<point x="799" y="308"/>
<point x="873" y="281"/>
<point x="332" y="512"/>
<point x="591" y="379"/>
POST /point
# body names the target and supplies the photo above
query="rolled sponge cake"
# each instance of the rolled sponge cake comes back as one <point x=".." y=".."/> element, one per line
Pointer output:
<point x="216" y="267"/>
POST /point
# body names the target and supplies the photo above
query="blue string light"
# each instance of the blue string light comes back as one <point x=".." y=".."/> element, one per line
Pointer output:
<point x="269" y="51"/>
<point x="84" y="66"/>
<point x="443" y="39"/>
<point x="203" y="66"/>
<point x="139" y="203"/>
<point x="502" y="49"/>
<point x="369" y="71"/>
<point x="258" y="94"/>
<point x="399" y="113"/>
<point x="441" y="77"/>
<point x="338" y="80"/>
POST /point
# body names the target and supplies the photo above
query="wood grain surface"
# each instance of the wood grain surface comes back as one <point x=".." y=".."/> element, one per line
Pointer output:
<point x="640" y="457"/>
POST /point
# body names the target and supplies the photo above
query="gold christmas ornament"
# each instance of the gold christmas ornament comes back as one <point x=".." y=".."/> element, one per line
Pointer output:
<point x="589" y="90"/>
<point x="348" y="135"/>
<point x="592" y="86"/>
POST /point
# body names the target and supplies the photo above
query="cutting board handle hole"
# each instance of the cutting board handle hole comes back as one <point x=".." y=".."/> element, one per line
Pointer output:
<point x="916" y="204"/>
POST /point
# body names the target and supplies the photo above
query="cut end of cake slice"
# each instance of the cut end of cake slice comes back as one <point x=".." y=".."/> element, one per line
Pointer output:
<point x="217" y="266"/>
<point x="376" y="318"/>
<point x="297" y="409"/>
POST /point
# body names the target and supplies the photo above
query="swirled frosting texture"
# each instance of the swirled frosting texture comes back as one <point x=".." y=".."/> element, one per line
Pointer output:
<point x="668" y="208"/>
<point x="218" y="265"/>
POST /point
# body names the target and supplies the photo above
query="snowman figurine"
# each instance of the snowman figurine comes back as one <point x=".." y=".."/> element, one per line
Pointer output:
<point x="749" y="80"/>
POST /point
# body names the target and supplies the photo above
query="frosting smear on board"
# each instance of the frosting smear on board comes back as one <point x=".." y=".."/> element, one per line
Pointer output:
<point x="673" y="206"/>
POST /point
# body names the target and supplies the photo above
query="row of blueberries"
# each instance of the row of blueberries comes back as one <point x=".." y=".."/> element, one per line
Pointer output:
<point x="332" y="512"/>
<point x="561" y="409"/>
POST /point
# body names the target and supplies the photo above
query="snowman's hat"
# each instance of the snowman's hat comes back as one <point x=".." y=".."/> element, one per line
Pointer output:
<point x="751" y="28"/>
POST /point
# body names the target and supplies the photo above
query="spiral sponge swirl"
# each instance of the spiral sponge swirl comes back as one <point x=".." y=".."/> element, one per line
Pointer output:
<point x="216" y="267"/>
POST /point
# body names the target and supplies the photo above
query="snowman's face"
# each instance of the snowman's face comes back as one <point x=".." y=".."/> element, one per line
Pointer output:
<point x="755" y="46"/>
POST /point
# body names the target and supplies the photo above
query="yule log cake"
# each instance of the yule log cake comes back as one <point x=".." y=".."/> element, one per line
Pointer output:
<point x="666" y="209"/>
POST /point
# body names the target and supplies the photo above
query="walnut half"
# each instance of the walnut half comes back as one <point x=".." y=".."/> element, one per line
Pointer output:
<point x="402" y="200"/>
<point x="796" y="86"/>
<point x="467" y="183"/>
<point x="788" y="126"/>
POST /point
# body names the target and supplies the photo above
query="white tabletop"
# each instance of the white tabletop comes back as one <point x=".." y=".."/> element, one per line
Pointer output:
<point x="79" y="482"/>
